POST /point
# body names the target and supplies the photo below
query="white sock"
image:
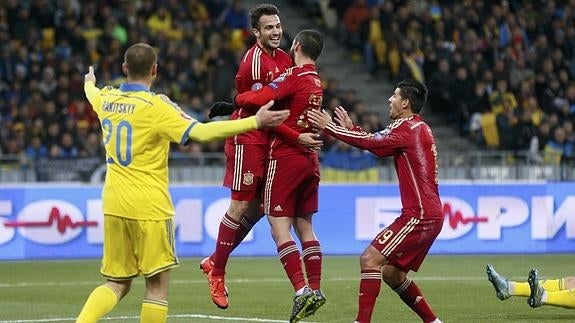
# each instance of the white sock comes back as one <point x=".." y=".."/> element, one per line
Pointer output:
<point x="437" y="321"/>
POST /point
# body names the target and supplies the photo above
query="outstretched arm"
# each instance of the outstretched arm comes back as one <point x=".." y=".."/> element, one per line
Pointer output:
<point x="216" y="130"/>
<point x="368" y="141"/>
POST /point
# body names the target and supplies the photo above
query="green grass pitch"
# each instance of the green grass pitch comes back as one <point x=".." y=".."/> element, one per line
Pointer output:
<point x="455" y="286"/>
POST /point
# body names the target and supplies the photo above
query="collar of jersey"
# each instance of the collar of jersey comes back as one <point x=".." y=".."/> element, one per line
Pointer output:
<point x="132" y="87"/>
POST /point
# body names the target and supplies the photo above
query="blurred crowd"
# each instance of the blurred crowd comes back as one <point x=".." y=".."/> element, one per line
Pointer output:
<point x="47" y="46"/>
<point x="502" y="72"/>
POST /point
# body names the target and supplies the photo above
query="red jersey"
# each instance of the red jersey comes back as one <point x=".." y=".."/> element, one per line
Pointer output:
<point x="299" y="90"/>
<point x="411" y="143"/>
<point x="257" y="66"/>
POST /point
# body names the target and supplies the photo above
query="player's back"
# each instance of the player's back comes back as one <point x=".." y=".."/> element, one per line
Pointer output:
<point x="300" y="90"/>
<point x="137" y="127"/>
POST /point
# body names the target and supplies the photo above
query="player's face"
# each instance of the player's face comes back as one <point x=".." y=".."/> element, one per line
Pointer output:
<point x="270" y="32"/>
<point x="397" y="105"/>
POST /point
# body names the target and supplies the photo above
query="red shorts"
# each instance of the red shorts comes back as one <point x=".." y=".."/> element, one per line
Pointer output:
<point x="244" y="170"/>
<point x="291" y="187"/>
<point x="407" y="240"/>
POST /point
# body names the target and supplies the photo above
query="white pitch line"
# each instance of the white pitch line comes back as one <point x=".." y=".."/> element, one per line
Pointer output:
<point x="240" y="281"/>
<point x="236" y="281"/>
<point x="197" y="316"/>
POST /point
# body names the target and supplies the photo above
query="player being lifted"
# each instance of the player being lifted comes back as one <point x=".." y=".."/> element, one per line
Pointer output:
<point x="292" y="180"/>
<point x="246" y="154"/>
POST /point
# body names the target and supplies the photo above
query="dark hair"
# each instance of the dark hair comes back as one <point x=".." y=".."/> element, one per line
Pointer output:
<point x="264" y="9"/>
<point x="311" y="42"/>
<point x="415" y="92"/>
<point x="139" y="59"/>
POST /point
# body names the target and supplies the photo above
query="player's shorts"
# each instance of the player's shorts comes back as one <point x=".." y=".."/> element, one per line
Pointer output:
<point x="137" y="247"/>
<point x="245" y="166"/>
<point x="291" y="187"/>
<point x="406" y="241"/>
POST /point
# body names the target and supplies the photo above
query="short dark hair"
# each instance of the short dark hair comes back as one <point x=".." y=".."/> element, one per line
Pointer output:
<point x="311" y="42"/>
<point x="415" y="92"/>
<point x="264" y="9"/>
<point x="139" y="59"/>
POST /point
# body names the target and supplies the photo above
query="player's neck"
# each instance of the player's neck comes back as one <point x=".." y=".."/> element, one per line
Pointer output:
<point x="147" y="83"/>
<point x="302" y="60"/>
<point x="267" y="50"/>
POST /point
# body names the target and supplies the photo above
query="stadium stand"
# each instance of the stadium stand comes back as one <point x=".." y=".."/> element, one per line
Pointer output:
<point x="501" y="73"/>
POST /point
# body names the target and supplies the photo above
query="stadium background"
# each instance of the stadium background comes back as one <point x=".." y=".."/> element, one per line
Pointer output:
<point x="502" y="96"/>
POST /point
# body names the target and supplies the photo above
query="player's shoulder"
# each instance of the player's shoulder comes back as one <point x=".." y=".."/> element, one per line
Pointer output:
<point x="108" y="89"/>
<point x="163" y="100"/>
<point x="410" y="123"/>
<point x="280" y="53"/>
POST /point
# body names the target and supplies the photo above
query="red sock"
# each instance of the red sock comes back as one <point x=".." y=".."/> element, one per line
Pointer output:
<point x="243" y="230"/>
<point x="369" y="288"/>
<point x="224" y="244"/>
<point x="312" y="258"/>
<point x="291" y="261"/>
<point x="412" y="296"/>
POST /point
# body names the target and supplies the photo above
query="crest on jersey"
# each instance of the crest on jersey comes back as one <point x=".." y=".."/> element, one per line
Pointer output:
<point x="248" y="179"/>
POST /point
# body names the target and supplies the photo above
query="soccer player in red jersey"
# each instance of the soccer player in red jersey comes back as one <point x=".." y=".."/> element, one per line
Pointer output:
<point x="246" y="153"/>
<point x="403" y="245"/>
<point x="292" y="180"/>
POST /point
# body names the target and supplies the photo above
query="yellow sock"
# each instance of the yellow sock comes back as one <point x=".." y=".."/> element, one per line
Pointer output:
<point x="564" y="298"/>
<point x="154" y="311"/>
<point x="553" y="285"/>
<point x="519" y="289"/>
<point x="101" y="301"/>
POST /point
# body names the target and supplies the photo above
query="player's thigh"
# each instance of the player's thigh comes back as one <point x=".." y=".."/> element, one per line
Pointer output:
<point x="291" y="186"/>
<point x="406" y="241"/>
<point x="156" y="246"/>
<point x="119" y="261"/>
<point x="245" y="165"/>
<point x="308" y="191"/>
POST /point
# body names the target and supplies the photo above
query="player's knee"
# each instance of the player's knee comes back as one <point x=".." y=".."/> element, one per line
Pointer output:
<point x="371" y="259"/>
<point x="238" y="209"/>
<point x="121" y="288"/>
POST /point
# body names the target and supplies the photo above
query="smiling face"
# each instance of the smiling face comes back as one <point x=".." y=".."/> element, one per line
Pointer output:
<point x="398" y="107"/>
<point x="269" y="34"/>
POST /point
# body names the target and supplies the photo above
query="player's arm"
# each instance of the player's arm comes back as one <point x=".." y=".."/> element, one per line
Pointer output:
<point x="252" y="100"/>
<point x="93" y="94"/>
<point x="378" y="143"/>
<point x="281" y="87"/>
<point x="204" y="132"/>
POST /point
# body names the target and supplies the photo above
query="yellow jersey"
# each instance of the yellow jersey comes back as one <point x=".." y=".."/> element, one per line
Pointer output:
<point x="137" y="128"/>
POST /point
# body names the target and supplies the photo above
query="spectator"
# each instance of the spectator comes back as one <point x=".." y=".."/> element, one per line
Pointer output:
<point x="556" y="149"/>
<point x="353" y="18"/>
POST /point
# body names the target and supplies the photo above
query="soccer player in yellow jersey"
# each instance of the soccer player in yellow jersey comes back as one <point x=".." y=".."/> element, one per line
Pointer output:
<point x="554" y="292"/>
<point x="137" y="127"/>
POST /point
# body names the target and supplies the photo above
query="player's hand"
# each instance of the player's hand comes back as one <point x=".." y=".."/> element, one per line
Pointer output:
<point x="310" y="140"/>
<point x="342" y="118"/>
<point x="268" y="118"/>
<point x="221" y="109"/>
<point x="319" y="119"/>
<point x="90" y="76"/>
